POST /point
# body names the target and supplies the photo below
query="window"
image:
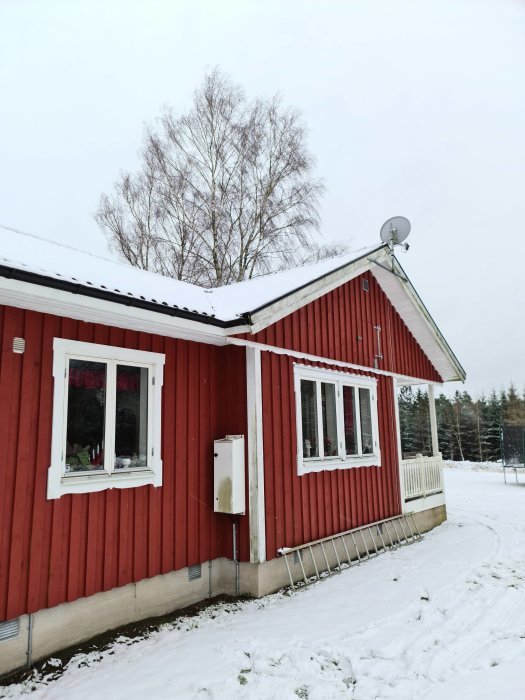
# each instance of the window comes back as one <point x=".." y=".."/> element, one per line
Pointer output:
<point x="336" y="420"/>
<point x="106" y="418"/>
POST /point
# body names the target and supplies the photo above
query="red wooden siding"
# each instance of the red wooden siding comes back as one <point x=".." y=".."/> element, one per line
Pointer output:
<point x="340" y="325"/>
<point x="59" y="550"/>
<point x="304" y="508"/>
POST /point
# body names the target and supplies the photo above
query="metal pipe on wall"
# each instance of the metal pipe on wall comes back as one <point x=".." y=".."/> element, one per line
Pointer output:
<point x="236" y="560"/>
<point x="29" y="652"/>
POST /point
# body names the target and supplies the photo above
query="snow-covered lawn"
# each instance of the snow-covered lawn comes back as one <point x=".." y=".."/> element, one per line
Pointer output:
<point x="441" y="619"/>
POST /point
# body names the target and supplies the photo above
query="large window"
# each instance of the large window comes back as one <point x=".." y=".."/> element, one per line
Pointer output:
<point x="336" y="420"/>
<point x="106" y="418"/>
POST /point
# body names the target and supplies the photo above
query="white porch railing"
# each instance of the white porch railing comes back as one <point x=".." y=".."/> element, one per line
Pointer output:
<point x="422" y="476"/>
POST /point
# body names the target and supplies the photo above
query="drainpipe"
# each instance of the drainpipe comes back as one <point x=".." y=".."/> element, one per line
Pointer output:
<point x="29" y="652"/>
<point x="236" y="560"/>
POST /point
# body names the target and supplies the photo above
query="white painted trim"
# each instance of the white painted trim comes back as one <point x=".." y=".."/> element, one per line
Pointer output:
<point x="83" y="308"/>
<point x="418" y="320"/>
<point x="433" y="420"/>
<point x="277" y="310"/>
<point x="328" y="360"/>
<point x="339" y="379"/>
<point x="417" y="505"/>
<point x="399" y="450"/>
<point x="257" y="515"/>
<point x="58" y="483"/>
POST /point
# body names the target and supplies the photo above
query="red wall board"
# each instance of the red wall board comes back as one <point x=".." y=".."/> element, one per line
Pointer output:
<point x="59" y="550"/>
<point x="341" y="325"/>
<point x="304" y="508"/>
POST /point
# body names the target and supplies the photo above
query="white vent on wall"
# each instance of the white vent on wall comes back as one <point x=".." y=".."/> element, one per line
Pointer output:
<point x="9" y="629"/>
<point x="19" y="345"/>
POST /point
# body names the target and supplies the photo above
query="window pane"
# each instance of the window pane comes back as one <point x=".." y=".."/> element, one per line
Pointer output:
<point x="131" y="417"/>
<point x="86" y="408"/>
<point x="309" y="418"/>
<point x="349" y="418"/>
<point x="329" y="419"/>
<point x="366" y="421"/>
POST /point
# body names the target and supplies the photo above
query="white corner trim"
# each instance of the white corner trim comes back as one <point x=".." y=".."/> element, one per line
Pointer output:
<point x="433" y="420"/>
<point x="58" y="484"/>
<point x="257" y="519"/>
<point x="399" y="452"/>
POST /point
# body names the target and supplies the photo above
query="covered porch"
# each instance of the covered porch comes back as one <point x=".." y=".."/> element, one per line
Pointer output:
<point x="421" y="471"/>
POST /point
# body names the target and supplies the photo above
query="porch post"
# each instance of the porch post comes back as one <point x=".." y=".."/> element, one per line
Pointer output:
<point x="256" y="508"/>
<point x="433" y="420"/>
<point x="399" y="450"/>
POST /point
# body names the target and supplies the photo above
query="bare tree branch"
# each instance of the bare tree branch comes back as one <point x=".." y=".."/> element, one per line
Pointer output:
<point x="224" y="192"/>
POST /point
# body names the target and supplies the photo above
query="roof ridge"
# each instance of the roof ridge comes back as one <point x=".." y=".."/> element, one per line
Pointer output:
<point x="60" y="245"/>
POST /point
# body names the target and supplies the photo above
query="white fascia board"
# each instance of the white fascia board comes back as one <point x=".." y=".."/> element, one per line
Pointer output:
<point x="401" y="379"/>
<point x="83" y="308"/>
<point x="277" y="310"/>
<point x="409" y="306"/>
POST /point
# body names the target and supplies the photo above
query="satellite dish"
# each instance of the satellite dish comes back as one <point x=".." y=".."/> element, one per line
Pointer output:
<point x="395" y="230"/>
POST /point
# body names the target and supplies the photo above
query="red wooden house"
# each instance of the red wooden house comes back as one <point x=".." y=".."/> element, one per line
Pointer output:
<point x="114" y="385"/>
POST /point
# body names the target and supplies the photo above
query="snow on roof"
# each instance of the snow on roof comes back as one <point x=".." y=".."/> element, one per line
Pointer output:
<point x="24" y="251"/>
<point x="30" y="253"/>
<point x="259" y="298"/>
<point x="250" y="295"/>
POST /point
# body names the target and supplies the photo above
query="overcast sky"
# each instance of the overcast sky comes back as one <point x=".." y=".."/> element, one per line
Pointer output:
<point x="415" y="107"/>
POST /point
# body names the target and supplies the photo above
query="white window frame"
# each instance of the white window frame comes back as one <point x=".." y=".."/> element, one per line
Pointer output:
<point x="59" y="483"/>
<point x="306" y="465"/>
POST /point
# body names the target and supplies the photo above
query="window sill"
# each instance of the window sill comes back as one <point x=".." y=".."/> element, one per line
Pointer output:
<point x="333" y="463"/>
<point x="89" y="483"/>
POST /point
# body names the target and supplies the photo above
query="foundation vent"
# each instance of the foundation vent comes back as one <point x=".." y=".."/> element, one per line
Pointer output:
<point x="9" y="629"/>
<point x="194" y="572"/>
<point x="19" y="345"/>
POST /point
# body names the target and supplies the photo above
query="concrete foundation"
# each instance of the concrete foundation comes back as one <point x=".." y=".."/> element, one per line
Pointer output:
<point x="261" y="579"/>
<point x="72" y="623"/>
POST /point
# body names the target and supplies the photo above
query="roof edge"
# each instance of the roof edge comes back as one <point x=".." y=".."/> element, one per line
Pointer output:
<point x="107" y="295"/>
<point x="418" y="302"/>
<point x="282" y="306"/>
<point x="313" y="281"/>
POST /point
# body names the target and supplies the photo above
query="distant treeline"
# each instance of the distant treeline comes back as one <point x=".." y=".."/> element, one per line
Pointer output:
<point x="467" y="429"/>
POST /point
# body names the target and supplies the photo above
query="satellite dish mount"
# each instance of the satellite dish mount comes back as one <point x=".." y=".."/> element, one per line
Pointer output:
<point x="394" y="231"/>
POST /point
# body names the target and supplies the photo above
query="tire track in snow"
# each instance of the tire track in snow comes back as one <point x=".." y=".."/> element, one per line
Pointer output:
<point x="486" y="605"/>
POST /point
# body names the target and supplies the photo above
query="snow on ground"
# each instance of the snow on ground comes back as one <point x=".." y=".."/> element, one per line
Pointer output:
<point x="443" y="618"/>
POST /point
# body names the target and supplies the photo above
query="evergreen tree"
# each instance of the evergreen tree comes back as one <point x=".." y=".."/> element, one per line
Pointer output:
<point x="493" y="428"/>
<point x="514" y="410"/>
<point x="469" y="420"/>
<point x="445" y="439"/>
<point x="406" y="419"/>
<point x="467" y="429"/>
<point x="421" y="423"/>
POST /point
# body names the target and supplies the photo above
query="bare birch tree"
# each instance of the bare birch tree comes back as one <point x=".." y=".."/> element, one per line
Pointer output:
<point x="224" y="192"/>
